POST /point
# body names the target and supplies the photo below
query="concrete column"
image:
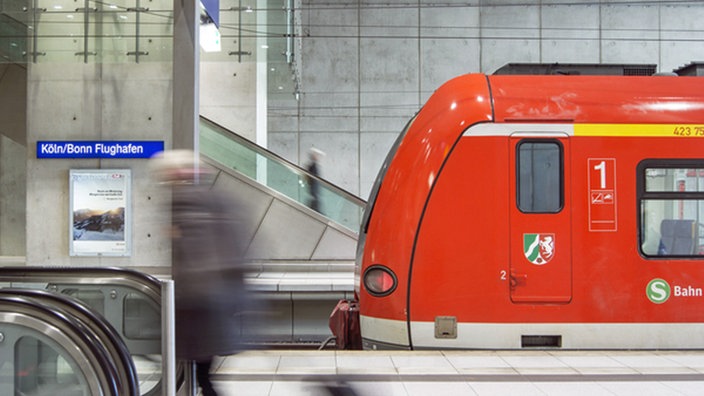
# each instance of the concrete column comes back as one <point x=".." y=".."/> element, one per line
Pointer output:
<point x="262" y="85"/>
<point x="262" y="93"/>
<point x="186" y="70"/>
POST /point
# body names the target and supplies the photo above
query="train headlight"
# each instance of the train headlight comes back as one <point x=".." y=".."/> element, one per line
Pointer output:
<point x="379" y="281"/>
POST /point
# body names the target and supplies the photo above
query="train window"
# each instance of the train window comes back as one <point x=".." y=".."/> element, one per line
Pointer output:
<point x="539" y="167"/>
<point x="671" y="205"/>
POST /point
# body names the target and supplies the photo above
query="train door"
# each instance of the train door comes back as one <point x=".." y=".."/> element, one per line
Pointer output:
<point x="539" y="221"/>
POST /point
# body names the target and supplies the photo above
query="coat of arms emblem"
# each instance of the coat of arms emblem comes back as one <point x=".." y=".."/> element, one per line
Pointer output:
<point x="539" y="249"/>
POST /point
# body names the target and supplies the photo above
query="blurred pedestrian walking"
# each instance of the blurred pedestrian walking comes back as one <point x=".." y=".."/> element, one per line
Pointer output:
<point x="207" y="268"/>
<point x="313" y="167"/>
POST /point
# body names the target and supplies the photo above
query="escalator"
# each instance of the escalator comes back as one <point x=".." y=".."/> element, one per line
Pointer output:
<point x="118" y="311"/>
<point x="119" y="364"/>
<point x="47" y="350"/>
<point x="277" y="192"/>
<point x="231" y="151"/>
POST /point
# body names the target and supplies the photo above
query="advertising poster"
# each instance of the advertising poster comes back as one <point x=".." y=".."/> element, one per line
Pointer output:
<point x="100" y="212"/>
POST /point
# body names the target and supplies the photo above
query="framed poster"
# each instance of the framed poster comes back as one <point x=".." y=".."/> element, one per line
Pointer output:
<point x="100" y="212"/>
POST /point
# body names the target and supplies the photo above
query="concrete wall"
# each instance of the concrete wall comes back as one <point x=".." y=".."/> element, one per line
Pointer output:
<point x="13" y="102"/>
<point x="228" y="82"/>
<point x="13" y="120"/>
<point x="95" y="102"/>
<point x="12" y="198"/>
<point x="227" y="93"/>
<point x="369" y="66"/>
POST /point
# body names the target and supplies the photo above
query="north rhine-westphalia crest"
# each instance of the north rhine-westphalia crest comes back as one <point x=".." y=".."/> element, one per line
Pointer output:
<point x="539" y="249"/>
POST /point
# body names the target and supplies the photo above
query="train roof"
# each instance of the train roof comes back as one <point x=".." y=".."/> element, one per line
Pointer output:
<point x="581" y="99"/>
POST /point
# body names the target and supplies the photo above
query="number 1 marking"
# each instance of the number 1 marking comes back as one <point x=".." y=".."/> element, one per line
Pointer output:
<point x="602" y="170"/>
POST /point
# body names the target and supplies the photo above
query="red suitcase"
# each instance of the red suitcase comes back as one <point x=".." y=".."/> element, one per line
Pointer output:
<point x="344" y="324"/>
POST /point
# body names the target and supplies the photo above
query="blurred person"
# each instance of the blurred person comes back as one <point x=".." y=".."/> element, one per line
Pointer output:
<point x="314" y="156"/>
<point x="208" y="247"/>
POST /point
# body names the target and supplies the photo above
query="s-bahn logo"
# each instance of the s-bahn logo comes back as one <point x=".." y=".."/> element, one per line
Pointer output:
<point x="539" y="249"/>
<point x="658" y="291"/>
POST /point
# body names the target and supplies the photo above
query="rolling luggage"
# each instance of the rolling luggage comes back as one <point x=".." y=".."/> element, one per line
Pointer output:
<point x="344" y="324"/>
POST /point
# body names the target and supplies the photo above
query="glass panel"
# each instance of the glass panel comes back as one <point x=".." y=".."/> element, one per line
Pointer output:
<point x="59" y="31"/>
<point x="117" y="26"/>
<point x="40" y="369"/>
<point x="7" y="367"/>
<point x="142" y="320"/>
<point x="239" y="31"/>
<point x="284" y="34"/>
<point x="674" y="180"/>
<point x="155" y="32"/>
<point x="93" y="298"/>
<point x="539" y="178"/>
<point x="222" y="149"/>
<point x="672" y="227"/>
<point x="279" y="24"/>
<point x="92" y="31"/>
<point x="13" y="31"/>
<point x="149" y="373"/>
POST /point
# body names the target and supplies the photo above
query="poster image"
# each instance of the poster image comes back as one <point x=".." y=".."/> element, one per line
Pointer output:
<point x="100" y="212"/>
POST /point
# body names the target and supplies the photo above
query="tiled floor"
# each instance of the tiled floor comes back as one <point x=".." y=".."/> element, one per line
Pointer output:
<point x="559" y="372"/>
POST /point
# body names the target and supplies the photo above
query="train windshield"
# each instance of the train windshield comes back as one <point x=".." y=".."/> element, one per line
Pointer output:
<point x="380" y="177"/>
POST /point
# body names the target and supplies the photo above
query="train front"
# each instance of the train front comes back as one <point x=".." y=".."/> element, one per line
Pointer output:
<point x="395" y="207"/>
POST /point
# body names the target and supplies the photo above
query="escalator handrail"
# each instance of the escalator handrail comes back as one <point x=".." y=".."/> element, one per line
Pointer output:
<point x="293" y="167"/>
<point x="147" y="284"/>
<point x="77" y="331"/>
<point x="100" y="327"/>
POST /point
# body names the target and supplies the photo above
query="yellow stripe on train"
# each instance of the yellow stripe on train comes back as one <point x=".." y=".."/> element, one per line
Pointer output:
<point x="652" y="130"/>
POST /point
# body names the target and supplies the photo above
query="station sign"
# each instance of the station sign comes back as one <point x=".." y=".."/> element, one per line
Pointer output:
<point x="99" y="149"/>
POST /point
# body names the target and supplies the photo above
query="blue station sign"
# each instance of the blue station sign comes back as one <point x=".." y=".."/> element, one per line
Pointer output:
<point x="99" y="149"/>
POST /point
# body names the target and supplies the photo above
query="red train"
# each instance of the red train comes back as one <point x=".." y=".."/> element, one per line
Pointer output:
<point x="540" y="211"/>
